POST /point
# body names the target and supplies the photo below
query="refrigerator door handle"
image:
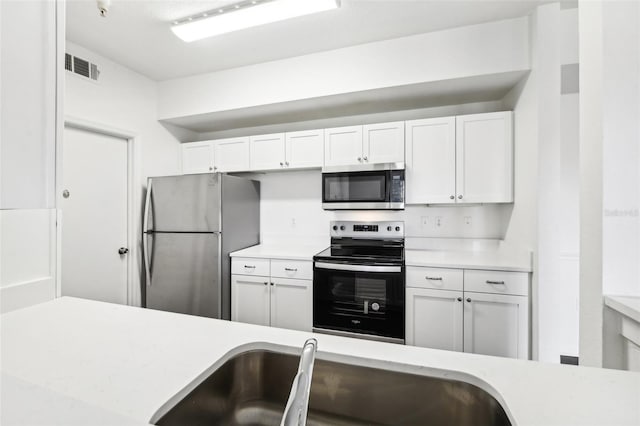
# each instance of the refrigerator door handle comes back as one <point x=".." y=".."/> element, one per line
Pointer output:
<point x="145" y="235"/>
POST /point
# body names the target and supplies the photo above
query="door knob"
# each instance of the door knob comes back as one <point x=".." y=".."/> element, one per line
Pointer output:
<point x="123" y="250"/>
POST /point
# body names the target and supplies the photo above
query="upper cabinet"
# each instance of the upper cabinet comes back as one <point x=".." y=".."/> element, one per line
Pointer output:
<point x="464" y="159"/>
<point x="431" y="160"/>
<point x="383" y="143"/>
<point x="370" y="144"/>
<point x="304" y="149"/>
<point x="294" y="150"/>
<point x="197" y="157"/>
<point x="484" y="158"/>
<point x="222" y="155"/>
<point x="231" y="155"/>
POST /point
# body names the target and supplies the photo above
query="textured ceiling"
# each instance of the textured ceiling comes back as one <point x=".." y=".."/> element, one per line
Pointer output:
<point x="136" y="33"/>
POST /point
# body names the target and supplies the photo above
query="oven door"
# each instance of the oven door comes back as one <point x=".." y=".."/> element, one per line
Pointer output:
<point x="360" y="300"/>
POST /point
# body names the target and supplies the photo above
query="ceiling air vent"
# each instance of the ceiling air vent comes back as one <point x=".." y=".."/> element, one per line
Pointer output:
<point x="81" y="67"/>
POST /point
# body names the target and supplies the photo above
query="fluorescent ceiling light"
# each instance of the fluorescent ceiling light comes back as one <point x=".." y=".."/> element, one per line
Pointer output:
<point x="246" y="14"/>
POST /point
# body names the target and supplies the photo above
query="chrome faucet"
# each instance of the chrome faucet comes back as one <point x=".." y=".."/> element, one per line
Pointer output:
<point x="295" y="413"/>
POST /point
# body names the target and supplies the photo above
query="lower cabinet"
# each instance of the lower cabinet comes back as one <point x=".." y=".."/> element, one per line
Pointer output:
<point x="282" y="297"/>
<point x="483" y="321"/>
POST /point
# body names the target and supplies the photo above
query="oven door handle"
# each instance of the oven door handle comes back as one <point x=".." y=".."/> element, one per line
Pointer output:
<point x="357" y="268"/>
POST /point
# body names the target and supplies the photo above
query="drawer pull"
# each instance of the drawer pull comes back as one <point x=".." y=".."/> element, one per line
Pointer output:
<point x="250" y="266"/>
<point x="469" y="299"/>
<point x="495" y="282"/>
<point x="434" y="278"/>
<point x="459" y="299"/>
<point x="291" y="269"/>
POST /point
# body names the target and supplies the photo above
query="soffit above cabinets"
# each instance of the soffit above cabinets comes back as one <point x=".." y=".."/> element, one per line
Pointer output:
<point x="137" y="34"/>
<point x="343" y="109"/>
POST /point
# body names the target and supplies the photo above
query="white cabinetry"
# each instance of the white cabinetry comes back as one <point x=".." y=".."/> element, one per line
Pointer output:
<point x="370" y="144"/>
<point x="222" y="155"/>
<point x="464" y="159"/>
<point x="431" y="160"/>
<point x="484" y="158"/>
<point x="197" y="157"/>
<point x="483" y="312"/>
<point x="267" y="152"/>
<point x="295" y="150"/>
<point x="231" y="155"/>
<point x="304" y="149"/>
<point x="272" y="292"/>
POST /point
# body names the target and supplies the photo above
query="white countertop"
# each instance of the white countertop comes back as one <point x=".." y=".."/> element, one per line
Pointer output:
<point x="131" y="361"/>
<point x="626" y="305"/>
<point x="500" y="260"/>
<point x="298" y="251"/>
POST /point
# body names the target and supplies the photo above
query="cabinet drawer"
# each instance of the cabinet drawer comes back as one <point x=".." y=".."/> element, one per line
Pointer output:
<point x="250" y="266"/>
<point x="435" y="278"/>
<point x="300" y="269"/>
<point x="496" y="282"/>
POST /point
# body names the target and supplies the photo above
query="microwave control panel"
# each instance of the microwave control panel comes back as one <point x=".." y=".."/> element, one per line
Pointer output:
<point x="397" y="186"/>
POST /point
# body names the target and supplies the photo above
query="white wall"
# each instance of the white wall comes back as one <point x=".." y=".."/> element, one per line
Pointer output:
<point x="609" y="160"/>
<point x="125" y="100"/>
<point x="27" y="96"/>
<point x="489" y="48"/>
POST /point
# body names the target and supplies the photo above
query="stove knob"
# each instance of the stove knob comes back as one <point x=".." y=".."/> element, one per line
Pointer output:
<point x="342" y="228"/>
<point x="397" y="229"/>
<point x="389" y="228"/>
<point x="335" y="228"/>
<point x="375" y="306"/>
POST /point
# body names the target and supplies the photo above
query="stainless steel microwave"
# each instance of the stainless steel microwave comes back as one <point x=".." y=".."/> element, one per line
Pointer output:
<point x="363" y="187"/>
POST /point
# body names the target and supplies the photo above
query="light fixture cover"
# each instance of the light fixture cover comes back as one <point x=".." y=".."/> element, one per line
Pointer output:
<point x="211" y="24"/>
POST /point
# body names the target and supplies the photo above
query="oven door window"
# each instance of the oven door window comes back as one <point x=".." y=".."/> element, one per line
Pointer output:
<point x="359" y="302"/>
<point x="355" y="187"/>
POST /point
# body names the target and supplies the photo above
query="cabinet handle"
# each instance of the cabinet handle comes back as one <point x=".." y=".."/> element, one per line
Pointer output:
<point x="286" y="163"/>
<point x="434" y="278"/>
<point x="290" y="270"/>
<point x="459" y="197"/>
<point x="469" y="299"/>
<point x="271" y="283"/>
<point x="360" y="159"/>
<point x="281" y="164"/>
<point x="266" y="283"/>
<point x="452" y="197"/>
<point x="459" y="299"/>
<point x="495" y="282"/>
<point x="365" y="158"/>
<point x="215" y="168"/>
<point x="249" y="267"/>
<point x="210" y="168"/>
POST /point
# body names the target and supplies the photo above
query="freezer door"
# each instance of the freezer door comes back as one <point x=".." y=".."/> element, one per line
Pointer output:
<point x="189" y="203"/>
<point x="184" y="273"/>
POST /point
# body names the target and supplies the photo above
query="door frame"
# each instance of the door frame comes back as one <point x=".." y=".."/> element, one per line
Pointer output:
<point x="134" y="297"/>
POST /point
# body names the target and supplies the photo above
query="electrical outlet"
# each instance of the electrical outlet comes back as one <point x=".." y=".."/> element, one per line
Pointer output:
<point x="438" y="221"/>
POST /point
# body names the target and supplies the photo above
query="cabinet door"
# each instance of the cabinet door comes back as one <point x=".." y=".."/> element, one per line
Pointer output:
<point x="484" y="158"/>
<point x="291" y="304"/>
<point x="496" y="324"/>
<point x="434" y="318"/>
<point x="343" y="146"/>
<point x="267" y="151"/>
<point x="383" y="143"/>
<point x="250" y="299"/>
<point x="305" y="149"/>
<point x="431" y="161"/>
<point x="197" y="157"/>
<point x="231" y="155"/>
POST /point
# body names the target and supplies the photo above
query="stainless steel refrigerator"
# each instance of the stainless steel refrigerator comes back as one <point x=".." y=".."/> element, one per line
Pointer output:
<point x="191" y="224"/>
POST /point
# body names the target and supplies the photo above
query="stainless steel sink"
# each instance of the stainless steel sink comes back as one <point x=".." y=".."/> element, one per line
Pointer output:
<point x="252" y="389"/>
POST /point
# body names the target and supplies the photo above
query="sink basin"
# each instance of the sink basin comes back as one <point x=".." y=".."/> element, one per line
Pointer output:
<point x="252" y="389"/>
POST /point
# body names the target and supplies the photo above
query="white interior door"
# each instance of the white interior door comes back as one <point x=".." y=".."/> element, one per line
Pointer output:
<point x="94" y="216"/>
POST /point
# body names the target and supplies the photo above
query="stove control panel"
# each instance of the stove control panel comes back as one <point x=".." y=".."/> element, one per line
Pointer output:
<point x="391" y="229"/>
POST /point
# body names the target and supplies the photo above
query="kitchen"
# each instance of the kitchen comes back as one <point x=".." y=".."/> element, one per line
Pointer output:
<point x="536" y="232"/>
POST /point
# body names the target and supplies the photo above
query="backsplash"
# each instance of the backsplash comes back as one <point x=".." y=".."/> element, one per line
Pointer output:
<point x="291" y="209"/>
